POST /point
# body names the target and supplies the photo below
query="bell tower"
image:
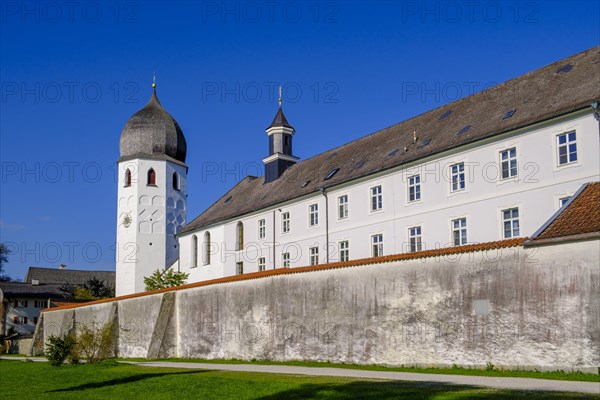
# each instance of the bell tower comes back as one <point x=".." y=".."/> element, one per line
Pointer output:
<point x="152" y="199"/>
<point x="280" y="156"/>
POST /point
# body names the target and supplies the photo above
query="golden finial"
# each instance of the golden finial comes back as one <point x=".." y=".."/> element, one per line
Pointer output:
<point x="280" y="96"/>
<point x="154" y="81"/>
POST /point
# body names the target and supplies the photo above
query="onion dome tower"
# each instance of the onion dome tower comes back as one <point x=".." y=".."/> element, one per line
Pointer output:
<point x="152" y="197"/>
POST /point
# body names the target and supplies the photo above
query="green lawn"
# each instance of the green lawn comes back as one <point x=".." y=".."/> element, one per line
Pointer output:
<point x="29" y="380"/>
<point x="559" y="375"/>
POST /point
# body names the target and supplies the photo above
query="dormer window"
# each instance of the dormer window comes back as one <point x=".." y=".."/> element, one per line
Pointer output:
<point x="151" y="177"/>
<point x="175" y="181"/>
<point x="127" y="177"/>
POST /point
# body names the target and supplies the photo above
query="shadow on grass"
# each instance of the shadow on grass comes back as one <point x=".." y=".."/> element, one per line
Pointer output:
<point x="122" y="381"/>
<point x="398" y="390"/>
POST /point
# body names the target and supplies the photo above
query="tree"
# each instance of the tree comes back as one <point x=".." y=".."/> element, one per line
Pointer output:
<point x="4" y="253"/>
<point x="165" y="279"/>
<point x="92" y="289"/>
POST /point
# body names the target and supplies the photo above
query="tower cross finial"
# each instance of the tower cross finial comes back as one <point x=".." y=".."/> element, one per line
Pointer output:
<point x="280" y="96"/>
<point x="154" y="81"/>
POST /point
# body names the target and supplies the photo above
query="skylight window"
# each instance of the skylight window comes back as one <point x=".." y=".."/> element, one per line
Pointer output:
<point x="305" y="183"/>
<point x="332" y="155"/>
<point x="331" y="174"/>
<point x="425" y="142"/>
<point x="464" y="130"/>
<point x="393" y="153"/>
<point x="359" y="164"/>
<point x="227" y="200"/>
<point x="446" y="115"/>
<point x="564" y="69"/>
<point x="509" y="114"/>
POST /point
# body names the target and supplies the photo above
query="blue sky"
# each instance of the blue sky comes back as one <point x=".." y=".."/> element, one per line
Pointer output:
<point x="72" y="73"/>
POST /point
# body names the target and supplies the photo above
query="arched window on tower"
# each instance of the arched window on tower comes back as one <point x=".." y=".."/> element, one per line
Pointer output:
<point x="175" y="181"/>
<point x="194" y="251"/>
<point x="151" y="177"/>
<point x="127" y="177"/>
<point x="206" y="249"/>
<point x="239" y="244"/>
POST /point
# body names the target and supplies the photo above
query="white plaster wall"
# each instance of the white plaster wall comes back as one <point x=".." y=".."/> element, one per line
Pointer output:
<point x="536" y="191"/>
<point x="157" y="213"/>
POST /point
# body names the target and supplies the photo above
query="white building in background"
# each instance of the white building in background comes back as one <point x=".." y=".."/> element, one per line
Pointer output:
<point x="493" y="166"/>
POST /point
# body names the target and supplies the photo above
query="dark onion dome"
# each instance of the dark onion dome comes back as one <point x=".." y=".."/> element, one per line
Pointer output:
<point x="153" y="133"/>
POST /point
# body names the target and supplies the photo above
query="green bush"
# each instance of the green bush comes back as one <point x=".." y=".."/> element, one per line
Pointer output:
<point x="94" y="344"/>
<point x="59" y="348"/>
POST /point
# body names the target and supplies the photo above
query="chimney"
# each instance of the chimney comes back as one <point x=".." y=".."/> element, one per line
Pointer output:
<point x="62" y="266"/>
<point x="35" y="282"/>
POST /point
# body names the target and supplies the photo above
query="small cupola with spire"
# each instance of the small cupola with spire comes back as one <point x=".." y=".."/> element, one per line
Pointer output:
<point x="280" y="134"/>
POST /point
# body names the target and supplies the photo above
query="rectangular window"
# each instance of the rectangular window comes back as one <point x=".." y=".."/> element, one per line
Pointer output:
<point x="343" y="207"/>
<point x="414" y="237"/>
<point x="239" y="268"/>
<point x="344" y="251"/>
<point x="21" y="303"/>
<point x="376" y="198"/>
<point x="261" y="263"/>
<point x="459" y="231"/>
<point x="35" y="320"/>
<point x="510" y="220"/>
<point x="414" y="188"/>
<point x="285" y="222"/>
<point x="314" y="255"/>
<point x="313" y="212"/>
<point x="262" y="228"/>
<point x="567" y="148"/>
<point x="286" y="260"/>
<point x="508" y="163"/>
<point x="458" y="176"/>
<point x="39" y="304"/>
<point x="20" y="320"/>
<point x="377" y="245"/>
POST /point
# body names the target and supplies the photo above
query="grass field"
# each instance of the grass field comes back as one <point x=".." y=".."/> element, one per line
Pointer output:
<point x="29" y="380"/>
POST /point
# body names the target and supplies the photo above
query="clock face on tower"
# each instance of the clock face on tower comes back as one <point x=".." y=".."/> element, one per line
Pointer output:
<point x="126" y="220"/>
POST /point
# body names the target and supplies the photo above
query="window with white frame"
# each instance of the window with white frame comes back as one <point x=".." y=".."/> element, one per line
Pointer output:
<point x="314" y="255"/>
<point x="239" y="243"/>
<point x="40" y="304"/>
<point x="414" y="188"/>
<point x="510" y="222"/>
<point x="414" y="239"/>
<point x="285" y="222"/>
<point x="343" y="207"/>
<point x="285" y="257"/>
<point x="376" y="198"/>
<point x="508" y="163"/>
<point x="313" y="214"/>
<point x="261" y="263"/>
<point x="19" y="320"/>
<point x="21" y="303"/>
<point x="566" y="144"/>
<point x="262" y="228"/>
<point x="457" y="174"/>
<point x="459" y="231"/>
<point x="239" y="268"/>
<point x="377" y="245"/>
<point x="344" y="250"/>
<point x="563" y="200"/>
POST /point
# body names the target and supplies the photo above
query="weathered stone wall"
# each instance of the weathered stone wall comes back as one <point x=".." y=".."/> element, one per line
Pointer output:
<point x="518" y="307"/>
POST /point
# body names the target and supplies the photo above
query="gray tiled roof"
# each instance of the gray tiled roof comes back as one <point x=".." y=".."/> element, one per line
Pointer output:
<point x="565" y="86"/>
<point x="10" y="289"/>
<point x="73" y="276"/>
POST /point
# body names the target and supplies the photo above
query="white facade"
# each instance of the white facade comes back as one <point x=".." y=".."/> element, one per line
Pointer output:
<point x="148" y="217"/>
<point x="535" y="193"/>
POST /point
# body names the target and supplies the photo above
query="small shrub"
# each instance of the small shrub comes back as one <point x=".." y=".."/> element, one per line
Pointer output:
<point x="490" y="367"/>
<point x="59" y="348"/>
<point x="95" y="344"/>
